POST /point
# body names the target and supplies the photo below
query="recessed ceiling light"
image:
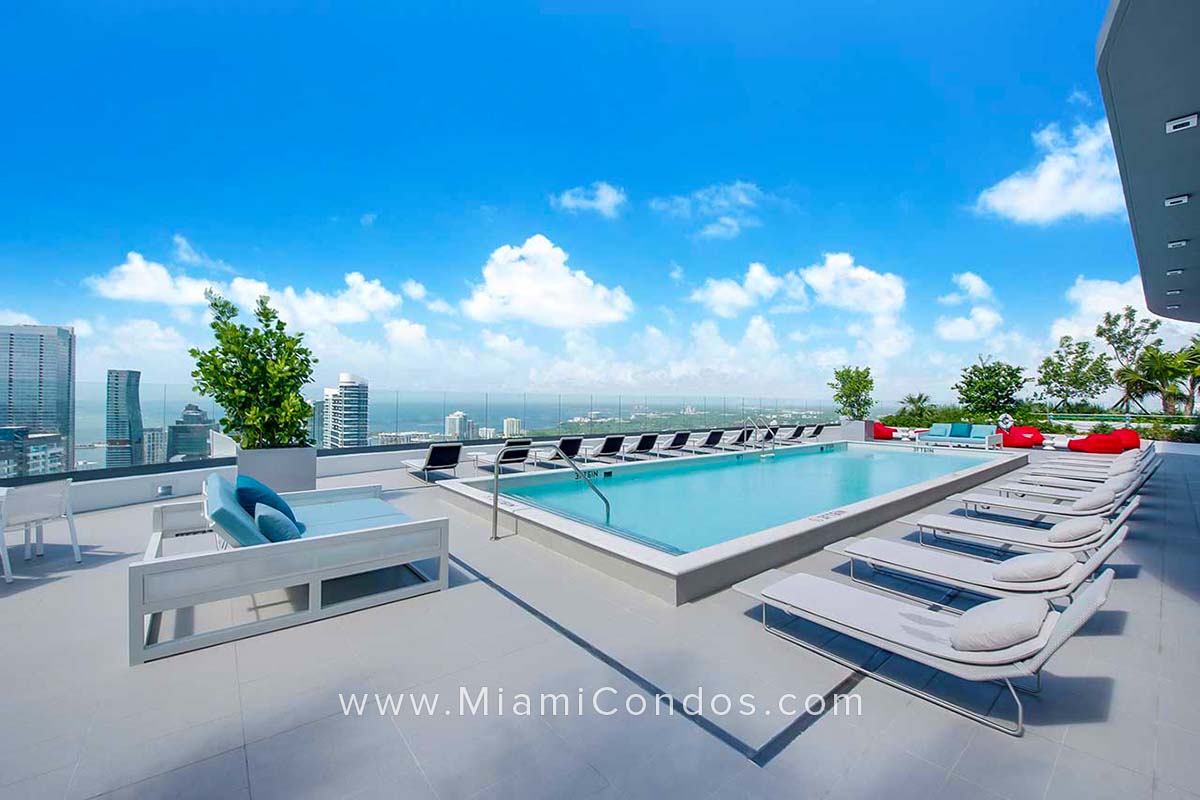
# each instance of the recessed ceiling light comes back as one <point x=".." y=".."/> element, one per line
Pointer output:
<point x="1177" y="244"/>
<point x="1171" y="273"/>
<point x="1174" y="292"/>
<point x="1173" y="307"/>
<point x="1183" y="123"/>
<point x="1177" y="200"/>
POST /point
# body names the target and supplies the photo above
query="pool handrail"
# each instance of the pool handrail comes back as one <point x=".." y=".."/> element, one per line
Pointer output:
<point x="570" y="462"/>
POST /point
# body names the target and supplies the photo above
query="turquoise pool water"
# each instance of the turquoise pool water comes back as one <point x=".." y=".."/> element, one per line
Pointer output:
<point x="685" y="505"/>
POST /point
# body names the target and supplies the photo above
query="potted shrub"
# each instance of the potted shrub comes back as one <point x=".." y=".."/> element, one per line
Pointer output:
<point x="852" y="388"/>
<point x="255" y="375"/>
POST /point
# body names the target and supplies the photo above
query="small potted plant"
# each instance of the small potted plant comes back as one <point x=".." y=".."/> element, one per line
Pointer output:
<point x="255" y="375"/>
<point x="852" y="388"/>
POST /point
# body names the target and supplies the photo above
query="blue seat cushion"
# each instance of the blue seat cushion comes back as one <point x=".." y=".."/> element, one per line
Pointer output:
<point x="939" y="429"/>
<point x="982" y="431"/>
<point x="251" y="492"/>
<point x="227" y="513"/>
<point x="344" y="510"/>
<point x="345" y="526"/>
<point x="960" y="430"/>
<point x="274" y="524"/>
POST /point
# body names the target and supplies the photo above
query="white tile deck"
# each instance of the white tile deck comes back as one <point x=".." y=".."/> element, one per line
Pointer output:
<point x="260" y="718"/>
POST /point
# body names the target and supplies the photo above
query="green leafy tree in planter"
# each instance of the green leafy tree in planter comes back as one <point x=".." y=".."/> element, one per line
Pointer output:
<point x="1074" y="372"/>
<point x="255" y="375"/>
<point x="852" y="387"/>
<point x="989" y="388"/>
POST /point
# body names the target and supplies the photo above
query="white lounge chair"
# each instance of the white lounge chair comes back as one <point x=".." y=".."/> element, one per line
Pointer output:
<point x="1098" y="502"/>
<point x="1081" y="535"/>
<point x="928" y="637"/>
<point x="356" y="550"/>
<point x="31" y="506"/>
<point x="981" y="577"/>
<point x="1097" y="474"/>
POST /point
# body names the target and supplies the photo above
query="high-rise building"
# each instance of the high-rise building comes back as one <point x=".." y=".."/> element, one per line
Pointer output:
<point x="24" y="452"/>
<point x="124" y="437"/>
<point x="460" y="426"/>
<point x="346" y="423"/>
<point x="487" y="433"/>
<point x="316" y="428"/>
<point x="512" y="427"/>
<point x="37" y="382"/>
<point x="187" y="438"/>
<point x="155" y="446"/>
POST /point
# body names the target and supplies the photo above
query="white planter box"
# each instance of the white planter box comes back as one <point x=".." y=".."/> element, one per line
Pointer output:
<point x="284" y="469"/>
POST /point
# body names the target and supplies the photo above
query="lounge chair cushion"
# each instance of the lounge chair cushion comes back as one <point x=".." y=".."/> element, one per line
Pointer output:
<point x="222" y="506"/>
<point x="274" y="524"/>
<point x="1071" y="529"/>
<point x="1095" y="499"/>
<point x="998" y="624"/>
<point x="1033" y="567"/>
<point x="960" y="429"/>
<point x="1119" y="483"/>
<point x="251" y="492"/>
<point x="939" y="429"/>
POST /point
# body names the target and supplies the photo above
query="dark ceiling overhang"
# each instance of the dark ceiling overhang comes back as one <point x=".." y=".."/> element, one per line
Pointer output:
<point x="1148" y="62"/>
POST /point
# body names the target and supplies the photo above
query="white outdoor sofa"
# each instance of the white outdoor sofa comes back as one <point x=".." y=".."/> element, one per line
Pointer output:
<point x="357" y="551"/>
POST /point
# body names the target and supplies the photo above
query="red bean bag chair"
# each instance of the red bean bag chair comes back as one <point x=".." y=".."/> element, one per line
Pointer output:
<point x="1022" y="436"/>
<point x="884" y="431"/>
<point x="1097" y="443"/>
<point x="1129" y="438"/>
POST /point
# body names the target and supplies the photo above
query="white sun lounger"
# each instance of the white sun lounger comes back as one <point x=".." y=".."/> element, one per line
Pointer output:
<point x="967" y="574"/>
<point x="1099" y="458"/>
<point x="1002" y="536"/>
<point x="1081" y="506"/>
<point x="1094" y="474"/>
<point x="924" y="636"/>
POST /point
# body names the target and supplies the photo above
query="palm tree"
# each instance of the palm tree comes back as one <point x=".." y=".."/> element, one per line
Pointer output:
<point x="916" y="404"/>
<point x="1162" y="371"/>
<point x="1191" y="363"/>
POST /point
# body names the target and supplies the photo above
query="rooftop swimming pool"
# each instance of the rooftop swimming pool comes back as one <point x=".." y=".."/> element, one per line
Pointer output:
<point x="688" y="526"/>
<point x="686" y="504"/>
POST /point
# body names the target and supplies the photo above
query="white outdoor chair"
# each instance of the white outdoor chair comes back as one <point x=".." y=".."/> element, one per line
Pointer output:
<point x="32" y="506"/>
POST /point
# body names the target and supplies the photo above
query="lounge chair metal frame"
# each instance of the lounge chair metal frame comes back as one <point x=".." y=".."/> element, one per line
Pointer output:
<point x="159" y="583"/>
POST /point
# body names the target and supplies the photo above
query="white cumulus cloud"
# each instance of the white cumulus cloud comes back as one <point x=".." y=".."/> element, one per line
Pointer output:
<point x="1090" y="298"/>
<point x="970" y="287"/>
<point x="727" y="297"/>
<point x="602" y="197"/>
<point x="1076" y="176"/>
<point x="980" y="322"/>
<point x="533" y="283"/>
<point x="840" y="283"/>
<point x="150" y="282"/>
<point x="724" y="210"/>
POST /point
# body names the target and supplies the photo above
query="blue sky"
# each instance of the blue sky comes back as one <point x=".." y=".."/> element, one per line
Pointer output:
<point x="551" y="197"/>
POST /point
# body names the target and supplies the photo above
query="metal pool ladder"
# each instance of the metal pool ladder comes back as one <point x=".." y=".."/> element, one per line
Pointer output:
<point x="570" y="461"/>
<point x="759" y="436"/>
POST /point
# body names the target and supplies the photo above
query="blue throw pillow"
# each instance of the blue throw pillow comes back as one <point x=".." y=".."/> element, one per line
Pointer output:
<point x="274" y="525"/>
<point x="251" y="492"/>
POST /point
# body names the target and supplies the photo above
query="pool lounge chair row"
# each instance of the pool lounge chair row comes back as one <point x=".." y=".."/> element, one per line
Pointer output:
<point x="1037" y="591"/>
<point x="520" y="453"/>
